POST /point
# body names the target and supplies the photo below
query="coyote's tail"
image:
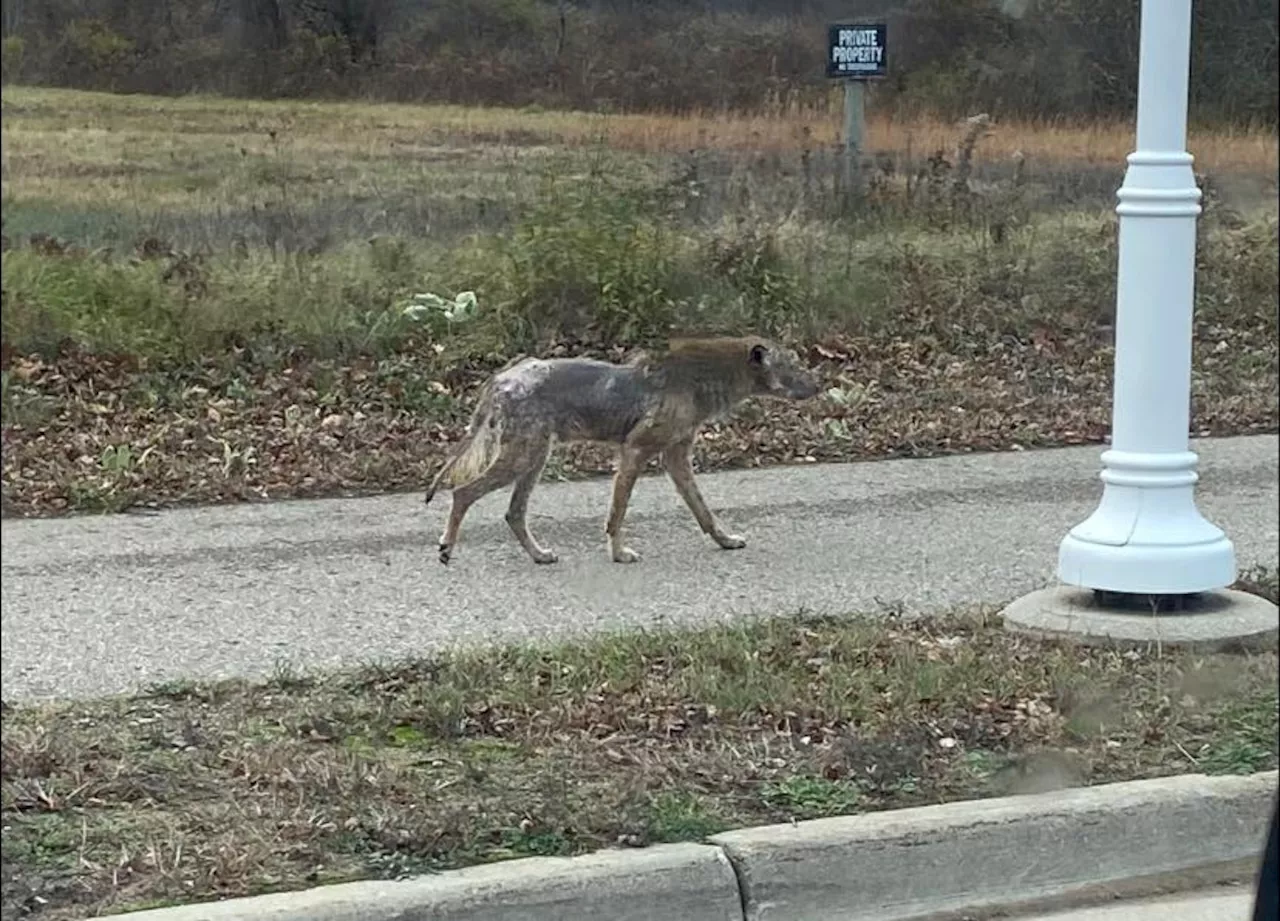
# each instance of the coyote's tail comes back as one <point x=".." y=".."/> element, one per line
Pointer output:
<point x="475" y="454"/>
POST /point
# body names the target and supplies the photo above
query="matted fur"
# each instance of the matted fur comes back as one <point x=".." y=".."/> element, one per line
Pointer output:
<point x="650" y="406"/>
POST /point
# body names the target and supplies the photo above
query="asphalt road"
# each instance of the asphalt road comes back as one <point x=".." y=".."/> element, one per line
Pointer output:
<point x="105" y="604"/>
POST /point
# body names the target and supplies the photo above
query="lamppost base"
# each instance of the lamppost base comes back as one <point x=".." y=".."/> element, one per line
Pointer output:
<point x="1150" y="568"/>
<point x="1210" y="621"/>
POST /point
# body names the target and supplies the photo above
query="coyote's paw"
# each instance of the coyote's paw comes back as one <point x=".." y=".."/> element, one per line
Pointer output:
<point x="625" y="555"/>
<point x="545" y="557"/>
<point x="730" y="541"/>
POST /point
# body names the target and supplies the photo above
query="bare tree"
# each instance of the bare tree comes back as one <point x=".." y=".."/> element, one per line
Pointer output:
<point x="11" y="21"/>
<point x="359" y="22"/>
<point x="263" y="22"/>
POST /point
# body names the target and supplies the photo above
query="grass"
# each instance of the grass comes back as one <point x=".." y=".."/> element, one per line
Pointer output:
<point x="203" y="298"/>
<point x="196" y="791"/>
<point x="365" y="131"/>
<point x="199" y="171"/>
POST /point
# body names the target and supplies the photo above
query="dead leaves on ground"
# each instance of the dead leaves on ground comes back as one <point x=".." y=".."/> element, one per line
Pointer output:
<point x="86" y="432"/>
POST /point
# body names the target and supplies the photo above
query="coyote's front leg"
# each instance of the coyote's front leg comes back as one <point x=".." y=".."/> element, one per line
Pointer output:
<point x="678" y="463"/>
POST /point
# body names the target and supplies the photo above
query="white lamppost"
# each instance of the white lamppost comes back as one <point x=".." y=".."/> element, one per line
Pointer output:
<point x="1147" y="541"/>
<point x="1147" y="536"/>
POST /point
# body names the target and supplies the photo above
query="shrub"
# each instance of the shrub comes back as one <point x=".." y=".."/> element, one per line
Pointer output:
<point x="589" y="261"/>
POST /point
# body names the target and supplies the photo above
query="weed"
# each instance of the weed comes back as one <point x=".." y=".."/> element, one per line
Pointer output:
<point x="682" y="817"/>
<point x="812" y="797"/>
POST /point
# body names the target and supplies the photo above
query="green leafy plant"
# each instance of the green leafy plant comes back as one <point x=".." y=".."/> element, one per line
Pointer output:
<point x="427" y="306"/>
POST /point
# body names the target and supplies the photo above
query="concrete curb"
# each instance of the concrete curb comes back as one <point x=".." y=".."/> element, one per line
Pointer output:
<point x="670" y="882"/>
<point x="990" y="854"/>
<point x="969" y="856"/>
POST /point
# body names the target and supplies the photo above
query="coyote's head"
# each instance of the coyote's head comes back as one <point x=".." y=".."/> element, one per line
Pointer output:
<point x="778" y="371"/>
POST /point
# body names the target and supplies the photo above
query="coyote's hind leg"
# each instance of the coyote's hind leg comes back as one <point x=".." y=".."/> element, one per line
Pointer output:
<point x="518" y="510"/>
<point x="465" y="496"/>
<point x="518" y="459"/>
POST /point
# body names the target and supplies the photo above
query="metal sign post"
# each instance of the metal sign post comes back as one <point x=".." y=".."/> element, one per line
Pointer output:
<point x="856" y="53"/>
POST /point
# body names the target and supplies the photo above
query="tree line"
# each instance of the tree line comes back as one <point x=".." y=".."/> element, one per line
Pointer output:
<point x="1010" y="58"/>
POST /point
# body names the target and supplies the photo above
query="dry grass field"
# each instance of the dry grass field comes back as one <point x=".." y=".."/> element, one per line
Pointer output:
<point x="69" y="149"/>
<point x="42" y="114"/>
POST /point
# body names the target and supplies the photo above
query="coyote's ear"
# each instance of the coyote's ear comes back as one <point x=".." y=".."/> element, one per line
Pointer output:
<point x="757" y="354"/>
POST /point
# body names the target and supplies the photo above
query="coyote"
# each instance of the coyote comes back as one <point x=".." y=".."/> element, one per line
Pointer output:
<point x="651" y="406"/>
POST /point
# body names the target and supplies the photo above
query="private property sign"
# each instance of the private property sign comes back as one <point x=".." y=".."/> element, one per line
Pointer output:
<point x="857" y="52"/>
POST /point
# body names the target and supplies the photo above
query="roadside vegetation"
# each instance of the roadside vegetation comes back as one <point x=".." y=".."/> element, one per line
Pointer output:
<point x="194" y="791"/>
<point x="209" y="299"/>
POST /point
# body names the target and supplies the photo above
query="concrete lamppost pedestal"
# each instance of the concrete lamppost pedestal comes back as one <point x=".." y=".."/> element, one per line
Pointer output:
<point x="1146" y="566"/>
<point x="1220" y="620"/>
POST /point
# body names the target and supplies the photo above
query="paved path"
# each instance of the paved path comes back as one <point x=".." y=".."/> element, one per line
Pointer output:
<point x="1235" y="904"/>
<point x="103" y="604"/>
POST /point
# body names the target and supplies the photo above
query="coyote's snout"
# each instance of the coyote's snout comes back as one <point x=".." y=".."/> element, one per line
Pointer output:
<point x="649" y="407"/>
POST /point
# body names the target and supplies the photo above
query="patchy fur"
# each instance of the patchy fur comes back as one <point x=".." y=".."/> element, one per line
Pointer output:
<point x="652" y="406"/>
